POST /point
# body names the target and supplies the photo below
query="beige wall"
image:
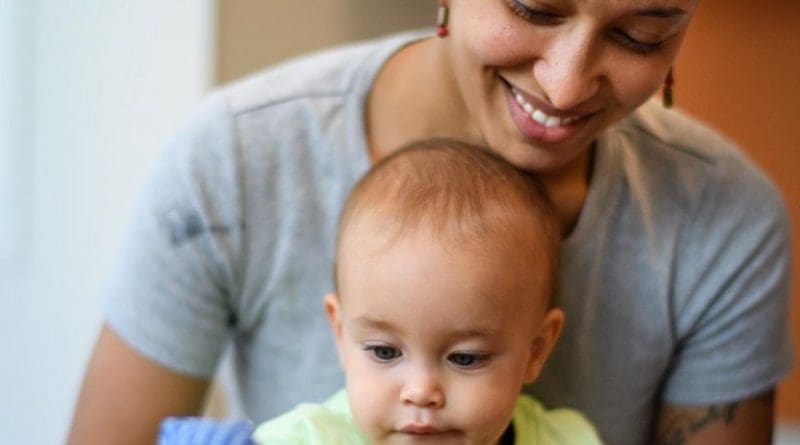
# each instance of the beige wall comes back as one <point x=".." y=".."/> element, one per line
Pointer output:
<point x="256" y="33"/>
<point x="739" y="71"/>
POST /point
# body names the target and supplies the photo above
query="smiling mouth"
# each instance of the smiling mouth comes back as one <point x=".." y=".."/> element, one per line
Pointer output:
<point x="538" y="115"/>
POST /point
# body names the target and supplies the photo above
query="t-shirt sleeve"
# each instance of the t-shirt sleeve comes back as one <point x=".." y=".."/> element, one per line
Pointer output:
<point x="169" y="294"/>
<point x="732" y="291"/>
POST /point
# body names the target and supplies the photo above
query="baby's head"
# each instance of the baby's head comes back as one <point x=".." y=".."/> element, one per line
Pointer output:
<point x="446" y="266"/>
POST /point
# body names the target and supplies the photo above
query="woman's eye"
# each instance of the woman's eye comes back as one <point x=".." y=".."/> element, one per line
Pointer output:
<point x="465" y="360"/>
<point x="636" y="45"/>
<point x="537" y="16"/>
<point x="383" y="353"/>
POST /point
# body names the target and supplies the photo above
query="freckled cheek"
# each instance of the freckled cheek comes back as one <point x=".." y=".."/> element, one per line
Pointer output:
<point x="634" y="87"/>
<point x="635" y="78"/>
<point x="503" y="46"/>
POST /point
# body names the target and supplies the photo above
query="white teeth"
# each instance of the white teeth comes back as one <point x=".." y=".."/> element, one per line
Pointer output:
<point x="552" y="122"/>
<point x="539" y="115"/>
<point x="528" y="108"/>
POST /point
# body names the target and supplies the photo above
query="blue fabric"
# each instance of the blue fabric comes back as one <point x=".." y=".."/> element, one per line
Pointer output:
<point x="204" y="431"/>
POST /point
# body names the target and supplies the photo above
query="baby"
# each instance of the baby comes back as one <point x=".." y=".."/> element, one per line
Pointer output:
<point x="445" y="268"/>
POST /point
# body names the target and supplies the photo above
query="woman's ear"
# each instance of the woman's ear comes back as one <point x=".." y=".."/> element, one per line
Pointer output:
<point x="543" y="342"/>
<point x="333" y="314"/>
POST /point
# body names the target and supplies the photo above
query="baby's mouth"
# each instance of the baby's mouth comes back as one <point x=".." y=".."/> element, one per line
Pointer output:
<point x="420" y="429"/>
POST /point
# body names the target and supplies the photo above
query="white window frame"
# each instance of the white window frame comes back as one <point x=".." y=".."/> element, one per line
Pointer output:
<point x="16" y="127"/>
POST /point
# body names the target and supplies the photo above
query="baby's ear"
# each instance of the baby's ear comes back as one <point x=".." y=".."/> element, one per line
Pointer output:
<point x="333" y="314"/>
<point x="332" y="309"/>
<point x="543" y="343"/>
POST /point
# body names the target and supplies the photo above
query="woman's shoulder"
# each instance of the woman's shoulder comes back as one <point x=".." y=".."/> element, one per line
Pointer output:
<point x="678" y="172"/>
<point x="281" y="104"/>
<point x="673" y="145"/>
<point x="332" y="72"/>
<point x="654" y="127"/>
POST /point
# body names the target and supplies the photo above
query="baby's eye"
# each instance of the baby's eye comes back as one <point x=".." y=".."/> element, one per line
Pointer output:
<point x="466" y="360"/>
<point x="383" y="353"/>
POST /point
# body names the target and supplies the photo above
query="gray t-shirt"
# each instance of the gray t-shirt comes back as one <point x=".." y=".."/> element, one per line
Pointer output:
<point x="674" y="281"/>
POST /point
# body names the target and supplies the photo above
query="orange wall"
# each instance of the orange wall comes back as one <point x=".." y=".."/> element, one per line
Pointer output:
<point x="739" y="70"/>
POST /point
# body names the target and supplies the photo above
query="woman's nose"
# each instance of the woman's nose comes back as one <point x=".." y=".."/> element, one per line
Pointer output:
<point x="568" y="71"/>
<point x="423" y="389"/>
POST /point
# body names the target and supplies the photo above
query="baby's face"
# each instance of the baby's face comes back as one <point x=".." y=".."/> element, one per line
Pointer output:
<point x="436" y="344"/>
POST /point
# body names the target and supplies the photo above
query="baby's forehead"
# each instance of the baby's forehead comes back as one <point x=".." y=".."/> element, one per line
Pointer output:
<point x="522" y="268"/>
<point x="501" y="228"/>
<point x="446" y="308"/>
<point x="514" y="243"/>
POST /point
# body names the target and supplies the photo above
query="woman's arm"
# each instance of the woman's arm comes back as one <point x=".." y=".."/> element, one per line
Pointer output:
<point x="743" y="422"/>
<point x="125" y="396"/>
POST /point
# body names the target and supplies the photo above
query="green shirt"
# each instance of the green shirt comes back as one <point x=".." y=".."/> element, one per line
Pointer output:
<point x="331" y="423"/>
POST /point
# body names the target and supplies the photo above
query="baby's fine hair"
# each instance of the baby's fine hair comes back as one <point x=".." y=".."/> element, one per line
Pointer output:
<point x="463" y="195"/>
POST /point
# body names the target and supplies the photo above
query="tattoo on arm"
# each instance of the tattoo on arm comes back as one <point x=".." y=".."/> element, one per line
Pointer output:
<point x="681" y="426"/>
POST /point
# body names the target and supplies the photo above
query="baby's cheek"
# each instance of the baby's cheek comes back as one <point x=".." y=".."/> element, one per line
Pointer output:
<point x="369" y="406"/>
<point x="488" y="413"/>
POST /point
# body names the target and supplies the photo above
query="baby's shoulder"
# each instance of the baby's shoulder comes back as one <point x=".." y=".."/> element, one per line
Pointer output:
<point x="327" y="423"/>
<point x="535" y="424"/>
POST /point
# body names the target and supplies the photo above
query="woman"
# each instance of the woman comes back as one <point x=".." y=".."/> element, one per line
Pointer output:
<point x="675" y="257"/>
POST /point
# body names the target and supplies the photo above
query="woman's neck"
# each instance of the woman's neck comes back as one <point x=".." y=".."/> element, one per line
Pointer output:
<point x="568" y="189"/>
<point x="414" y="97"/>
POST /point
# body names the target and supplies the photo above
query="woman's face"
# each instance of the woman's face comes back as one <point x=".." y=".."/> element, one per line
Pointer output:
<point x="541" y="78"/>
